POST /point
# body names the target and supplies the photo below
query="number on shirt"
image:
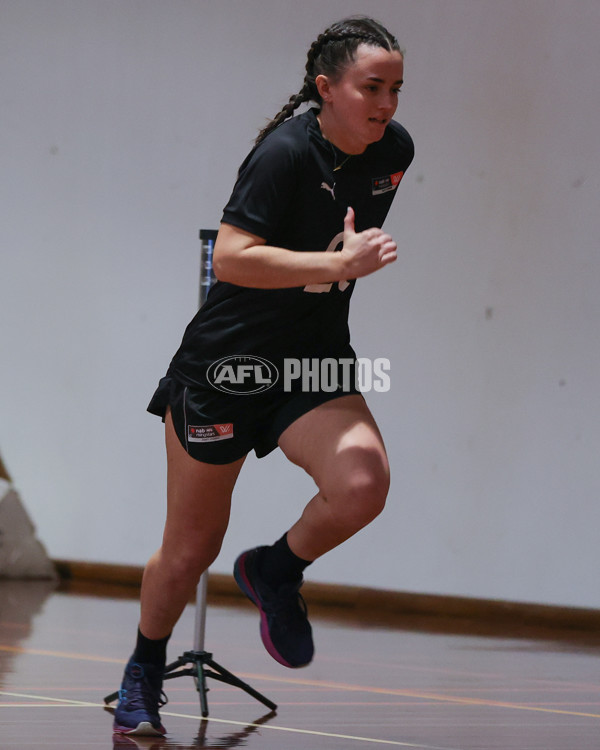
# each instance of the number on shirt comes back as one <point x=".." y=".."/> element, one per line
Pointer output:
<point x="334" y="245"/>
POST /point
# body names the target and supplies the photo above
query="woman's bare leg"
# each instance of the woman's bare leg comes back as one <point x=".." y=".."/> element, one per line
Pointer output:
<point x="340" y="446"/>
<point x="198" y="507"/>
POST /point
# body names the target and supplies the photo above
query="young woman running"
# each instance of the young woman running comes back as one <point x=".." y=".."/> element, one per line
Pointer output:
<point x="315" y="183"/>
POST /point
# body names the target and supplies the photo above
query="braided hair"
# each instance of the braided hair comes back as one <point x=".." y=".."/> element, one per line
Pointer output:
<point x="328" y="55"/>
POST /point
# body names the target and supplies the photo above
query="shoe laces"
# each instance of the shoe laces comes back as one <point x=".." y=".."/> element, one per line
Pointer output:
<point x="286" y="603"/>
<point x="142" y="691"/>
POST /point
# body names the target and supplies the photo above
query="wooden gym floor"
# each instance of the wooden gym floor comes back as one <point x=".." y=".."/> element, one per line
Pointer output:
<point x="414" y="685"/>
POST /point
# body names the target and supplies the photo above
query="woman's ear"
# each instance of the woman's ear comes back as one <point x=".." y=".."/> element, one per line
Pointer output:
<point x="323" y="87"/>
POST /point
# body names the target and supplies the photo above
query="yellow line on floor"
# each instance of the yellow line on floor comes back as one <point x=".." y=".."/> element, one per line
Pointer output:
<point x="458" y="700"/>
<point x="422" y="695"/>
<point x="60" y="654"/>
<point x="66" y="703"/>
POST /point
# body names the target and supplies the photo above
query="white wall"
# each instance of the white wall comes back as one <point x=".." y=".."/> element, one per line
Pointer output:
<point x="124" y="122"/>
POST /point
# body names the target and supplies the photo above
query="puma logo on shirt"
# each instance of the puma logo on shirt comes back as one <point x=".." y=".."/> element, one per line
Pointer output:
<point x="325" y="186"/>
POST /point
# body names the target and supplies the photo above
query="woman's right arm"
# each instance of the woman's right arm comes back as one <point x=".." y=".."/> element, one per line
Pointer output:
<point x="244" y="259"/>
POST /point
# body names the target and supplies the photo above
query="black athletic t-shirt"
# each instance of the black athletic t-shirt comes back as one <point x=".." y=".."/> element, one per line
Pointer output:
<point x="293" y="190"/>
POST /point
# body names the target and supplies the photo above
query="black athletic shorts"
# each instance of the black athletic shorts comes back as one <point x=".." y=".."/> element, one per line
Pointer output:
<point x="219" y="428"/>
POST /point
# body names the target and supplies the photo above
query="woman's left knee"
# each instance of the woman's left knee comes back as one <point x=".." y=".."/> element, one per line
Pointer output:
<point x="363" y="491"/>
<point x="367" y="495"/>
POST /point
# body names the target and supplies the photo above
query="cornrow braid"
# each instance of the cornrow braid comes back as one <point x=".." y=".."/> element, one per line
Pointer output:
<point x="329" y="55"/>
<point x="304" y="95"/>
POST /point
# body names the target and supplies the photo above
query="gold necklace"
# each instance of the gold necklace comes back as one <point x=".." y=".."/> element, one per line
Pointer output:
<point x="337" y="169"/>
<point x="333" y="148"/>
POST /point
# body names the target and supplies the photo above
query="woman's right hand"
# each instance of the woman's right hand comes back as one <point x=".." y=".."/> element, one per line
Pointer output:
<point x="367" y="251"/>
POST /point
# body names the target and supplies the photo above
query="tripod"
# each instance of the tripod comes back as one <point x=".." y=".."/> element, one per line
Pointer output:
<point x="199" y="659"/>
<point x="199" y="663"/>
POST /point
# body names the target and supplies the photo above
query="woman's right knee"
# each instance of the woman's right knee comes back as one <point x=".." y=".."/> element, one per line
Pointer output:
<point x="187" y="560"/>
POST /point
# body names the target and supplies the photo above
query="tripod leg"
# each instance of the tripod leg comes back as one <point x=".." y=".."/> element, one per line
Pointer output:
<point x="181" y="662"/>
<point x="224" y="676"/>
<point x="201" y="688"/>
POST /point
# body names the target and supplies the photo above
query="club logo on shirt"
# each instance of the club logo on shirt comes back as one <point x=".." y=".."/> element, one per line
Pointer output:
<point x="381" y="185"/>
<point x="242" y="375"/>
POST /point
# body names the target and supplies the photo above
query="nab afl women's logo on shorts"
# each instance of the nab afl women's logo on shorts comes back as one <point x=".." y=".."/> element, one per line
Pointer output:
<point x="242" y="375"/>
<point x="209" y="433"/>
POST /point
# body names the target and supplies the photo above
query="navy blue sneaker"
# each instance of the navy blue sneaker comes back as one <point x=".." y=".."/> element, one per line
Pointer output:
<point x="284" y="626"/>
<point x="140" y="697"/>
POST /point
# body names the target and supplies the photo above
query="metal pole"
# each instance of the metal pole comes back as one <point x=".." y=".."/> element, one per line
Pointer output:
<point x="200" y="621"/>
<point x="207" y="278"/>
